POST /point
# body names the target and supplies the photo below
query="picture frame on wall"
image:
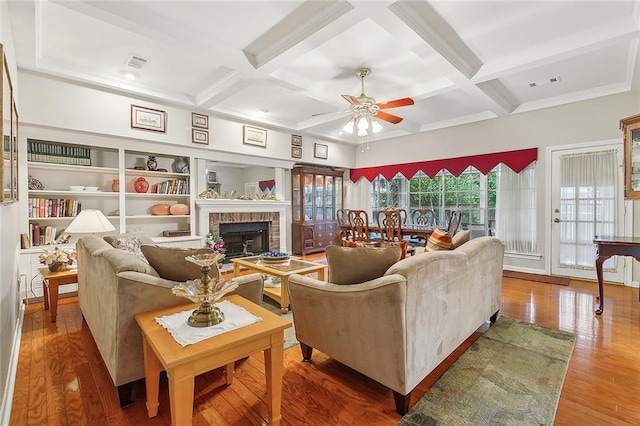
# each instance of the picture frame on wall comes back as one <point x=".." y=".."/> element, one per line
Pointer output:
<point x="296" y="152"/>
<point x="200" y="121"/>
<point x="254" y="136"/>
<point x="144" y="118"/>
<point x="296" y="140"/>
<point x="320" y="151"/>
<point x="200" y="136"/>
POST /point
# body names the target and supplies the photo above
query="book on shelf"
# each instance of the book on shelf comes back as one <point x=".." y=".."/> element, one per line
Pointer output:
<point x="49" y="152"/>
<point x="53" y="207"/>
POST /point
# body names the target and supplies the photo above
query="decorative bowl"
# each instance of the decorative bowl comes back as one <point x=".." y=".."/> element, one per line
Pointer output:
<point x="179" y="209"/>
<point x="274" y="257"/>
<point x="91" y="188"/>
<point x="160" y="209"/>
<point x="76" y="188"/>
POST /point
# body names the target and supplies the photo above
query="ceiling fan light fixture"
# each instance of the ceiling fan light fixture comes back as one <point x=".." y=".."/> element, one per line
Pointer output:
<point x="362" y="124"/>
<point x="375" y="126"/>
<point x="362" y="132"/>
<point x="349" y="126"/>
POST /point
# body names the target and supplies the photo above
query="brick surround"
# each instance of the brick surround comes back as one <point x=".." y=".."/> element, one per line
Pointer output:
<point x="215" y="219"/>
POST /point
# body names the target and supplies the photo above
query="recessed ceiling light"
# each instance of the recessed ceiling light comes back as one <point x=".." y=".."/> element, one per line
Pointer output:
<point x="129" y="75"/>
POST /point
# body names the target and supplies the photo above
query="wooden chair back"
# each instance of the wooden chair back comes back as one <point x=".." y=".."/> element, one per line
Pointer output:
<point x="454" y="222"/>
<point x="390" y="223"/>
<point x="344" y="229"/>
<point x="359" y="224"/>
<point x="423" y="217"/>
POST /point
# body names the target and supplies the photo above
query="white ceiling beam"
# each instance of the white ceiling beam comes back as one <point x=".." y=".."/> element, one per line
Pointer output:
<point x="422" y="18"/>
<point x="221" y="84"/>
<point x="299" y="25"/>
<point x="499" y="94"/>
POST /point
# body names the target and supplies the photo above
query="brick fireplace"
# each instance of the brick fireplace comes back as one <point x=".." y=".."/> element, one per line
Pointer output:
<point x="264" y="221"/>
<point x="212" y="212"/>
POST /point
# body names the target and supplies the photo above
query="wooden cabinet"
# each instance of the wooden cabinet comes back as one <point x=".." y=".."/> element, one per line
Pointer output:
<point x="316" y="194"/>
<point x="631" y="128"/>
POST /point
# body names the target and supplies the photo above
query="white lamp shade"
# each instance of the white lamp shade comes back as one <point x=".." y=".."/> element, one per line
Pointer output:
<point x="90" y="221"/>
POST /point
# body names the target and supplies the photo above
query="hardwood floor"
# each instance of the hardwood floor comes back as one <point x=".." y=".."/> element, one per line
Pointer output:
<point x="62" y="380"/>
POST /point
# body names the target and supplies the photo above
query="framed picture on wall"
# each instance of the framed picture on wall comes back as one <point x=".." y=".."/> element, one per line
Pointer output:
<point x="296" y="152"/>
<point x="200" y="136"/>
<point x="296" y="140"/>
<point x="199" y="120"/>
<point x="320" y="151"/>
<point x="148" y="119"/>
<point x="254" y="136"/>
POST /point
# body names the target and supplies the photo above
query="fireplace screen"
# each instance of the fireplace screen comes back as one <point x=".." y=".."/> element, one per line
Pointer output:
<point x="245" y="239"/>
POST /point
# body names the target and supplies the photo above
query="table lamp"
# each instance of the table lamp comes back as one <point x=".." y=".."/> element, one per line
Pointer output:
<point x="90" y="221"/>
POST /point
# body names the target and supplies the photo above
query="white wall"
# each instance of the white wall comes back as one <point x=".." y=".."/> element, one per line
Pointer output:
<point x="10" y="313"/>
<point x="61" y="104"/>
<point x="579" y="122"/>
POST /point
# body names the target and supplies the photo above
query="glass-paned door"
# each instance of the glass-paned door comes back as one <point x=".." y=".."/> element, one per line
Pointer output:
<point x="308" y="196"/>
<point x="297" y="206"/>
<point x="338" y="190"/>
<point x="328" y="203"/>
<point x="320" y="191"/>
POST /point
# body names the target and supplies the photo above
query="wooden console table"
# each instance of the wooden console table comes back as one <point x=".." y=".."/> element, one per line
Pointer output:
<point x="51" y="282"/>
<point x="613" y="246"/>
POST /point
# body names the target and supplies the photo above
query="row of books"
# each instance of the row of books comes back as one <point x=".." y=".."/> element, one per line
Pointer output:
<point x="41" y="235"/>
<point x="48" y="152"/>
<point x="54" y="207"/>
<point x="171" y="186"/>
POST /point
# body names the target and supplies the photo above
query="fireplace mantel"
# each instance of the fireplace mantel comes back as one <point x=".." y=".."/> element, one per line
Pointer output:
<point x="206" y="206"/>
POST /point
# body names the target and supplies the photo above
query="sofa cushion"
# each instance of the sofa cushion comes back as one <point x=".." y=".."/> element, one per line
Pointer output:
<point x="355" y="265"/>
<point x="144" y="238"/>
<point x="402" y="244"/>
<point x="439" y="240"/>
<point x="171" y="264"/>
<point x="130" y="244"/>
<point x="460" y="238"/>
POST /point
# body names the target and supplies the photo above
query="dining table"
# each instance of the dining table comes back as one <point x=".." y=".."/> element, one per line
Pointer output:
<point x="406" y="230"/>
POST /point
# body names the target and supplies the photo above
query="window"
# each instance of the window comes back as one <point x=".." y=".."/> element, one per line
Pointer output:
<point x="474" y="193"/>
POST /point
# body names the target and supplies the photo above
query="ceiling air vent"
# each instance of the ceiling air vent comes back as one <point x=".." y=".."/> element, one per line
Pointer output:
<point x="136" y="62"/>
<point x="544" y="81"/>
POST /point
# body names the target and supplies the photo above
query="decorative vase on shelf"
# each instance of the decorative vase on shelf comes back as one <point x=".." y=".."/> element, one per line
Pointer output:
<point x="115" y="185"/>
<point x="141" y="185"/>
<point x="152" y="164"/>
<point x="181" y="165"/>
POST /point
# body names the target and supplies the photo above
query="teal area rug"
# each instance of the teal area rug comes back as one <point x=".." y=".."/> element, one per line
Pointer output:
<point x="511" y="375"/>
<point x="289" y="333"/>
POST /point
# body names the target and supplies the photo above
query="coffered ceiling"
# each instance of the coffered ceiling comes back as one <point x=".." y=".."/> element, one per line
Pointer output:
<point x="280" y="62"/>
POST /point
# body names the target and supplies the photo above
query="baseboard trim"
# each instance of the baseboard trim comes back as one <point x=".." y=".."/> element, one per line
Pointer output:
<point x="40" y="299"/>
<point x="7" y="400"/>
<point x="549" y="279"/>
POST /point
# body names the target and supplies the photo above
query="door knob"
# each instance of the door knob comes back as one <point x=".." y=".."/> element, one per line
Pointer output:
<point x="556" y="220"/>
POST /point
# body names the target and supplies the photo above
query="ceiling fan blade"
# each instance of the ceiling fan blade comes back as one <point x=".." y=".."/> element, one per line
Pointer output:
<point x="395" y="103"/>
<point x="332" y="112"/>
<point x="394" y="119"/>
<point x="352" y="100"/>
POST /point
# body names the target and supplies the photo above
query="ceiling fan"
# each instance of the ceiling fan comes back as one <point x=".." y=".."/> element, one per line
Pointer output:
<point x="364" y="108"/>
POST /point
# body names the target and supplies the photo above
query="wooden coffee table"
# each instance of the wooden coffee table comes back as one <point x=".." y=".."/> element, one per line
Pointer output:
<point x="280" y="270"/>
<point x="184" y="363"/>
<point x="51" y="281"/>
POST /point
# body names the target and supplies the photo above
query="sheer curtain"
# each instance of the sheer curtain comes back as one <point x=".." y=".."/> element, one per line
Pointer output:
<point x="358" y="195"/>
<point x="587" y="205"/>
<point x="516" y="209"/>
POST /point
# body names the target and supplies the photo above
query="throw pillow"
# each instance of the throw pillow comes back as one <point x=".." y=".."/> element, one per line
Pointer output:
<point x="131" y="245"/>
<point x="439" y="240"/>
<point x="170" y="262"/>
<point x="402" y="244"/>
<point x="355" y="265"/>
<point x="144" y="238"/>
<point x="460" y="238"/>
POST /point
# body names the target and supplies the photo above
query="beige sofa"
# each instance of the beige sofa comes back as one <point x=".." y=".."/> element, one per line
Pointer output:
<point x="398" y="327"/>
<point x="113" y="286"/>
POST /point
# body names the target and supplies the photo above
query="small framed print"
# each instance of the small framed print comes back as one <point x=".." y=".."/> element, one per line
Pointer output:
<point x="254" y="136"/>
<point x="148" y="119"/>
<point x="200" y="136"/>
<point x="199" y="120"/>
<point x="296" y="140"/>
<point x="320" y="151"/>
<point x="296" y="152"/>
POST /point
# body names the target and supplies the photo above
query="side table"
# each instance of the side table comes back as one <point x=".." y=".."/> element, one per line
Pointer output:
<point x="52" y="281"/>
<point x="184" y="363"/>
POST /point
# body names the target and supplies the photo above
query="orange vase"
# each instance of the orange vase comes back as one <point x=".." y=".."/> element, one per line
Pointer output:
<point x="141" y="185"/>
<point x="115" y="185"/>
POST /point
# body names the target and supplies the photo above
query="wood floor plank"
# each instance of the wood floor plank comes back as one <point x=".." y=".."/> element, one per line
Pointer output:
<point x="601" y="386"/>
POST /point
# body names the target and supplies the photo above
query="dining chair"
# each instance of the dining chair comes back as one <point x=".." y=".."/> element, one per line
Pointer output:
<point x="454" y="222"/>
<point x="344" y="229"/>
<point x="390" y="223"/>
<point x="422" y="218"/>
<point x="359" y="224"/>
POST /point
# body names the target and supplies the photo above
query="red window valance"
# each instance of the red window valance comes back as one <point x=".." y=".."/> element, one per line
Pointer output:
<point x="516" y="160"/>
<point x="266" y="184"/>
